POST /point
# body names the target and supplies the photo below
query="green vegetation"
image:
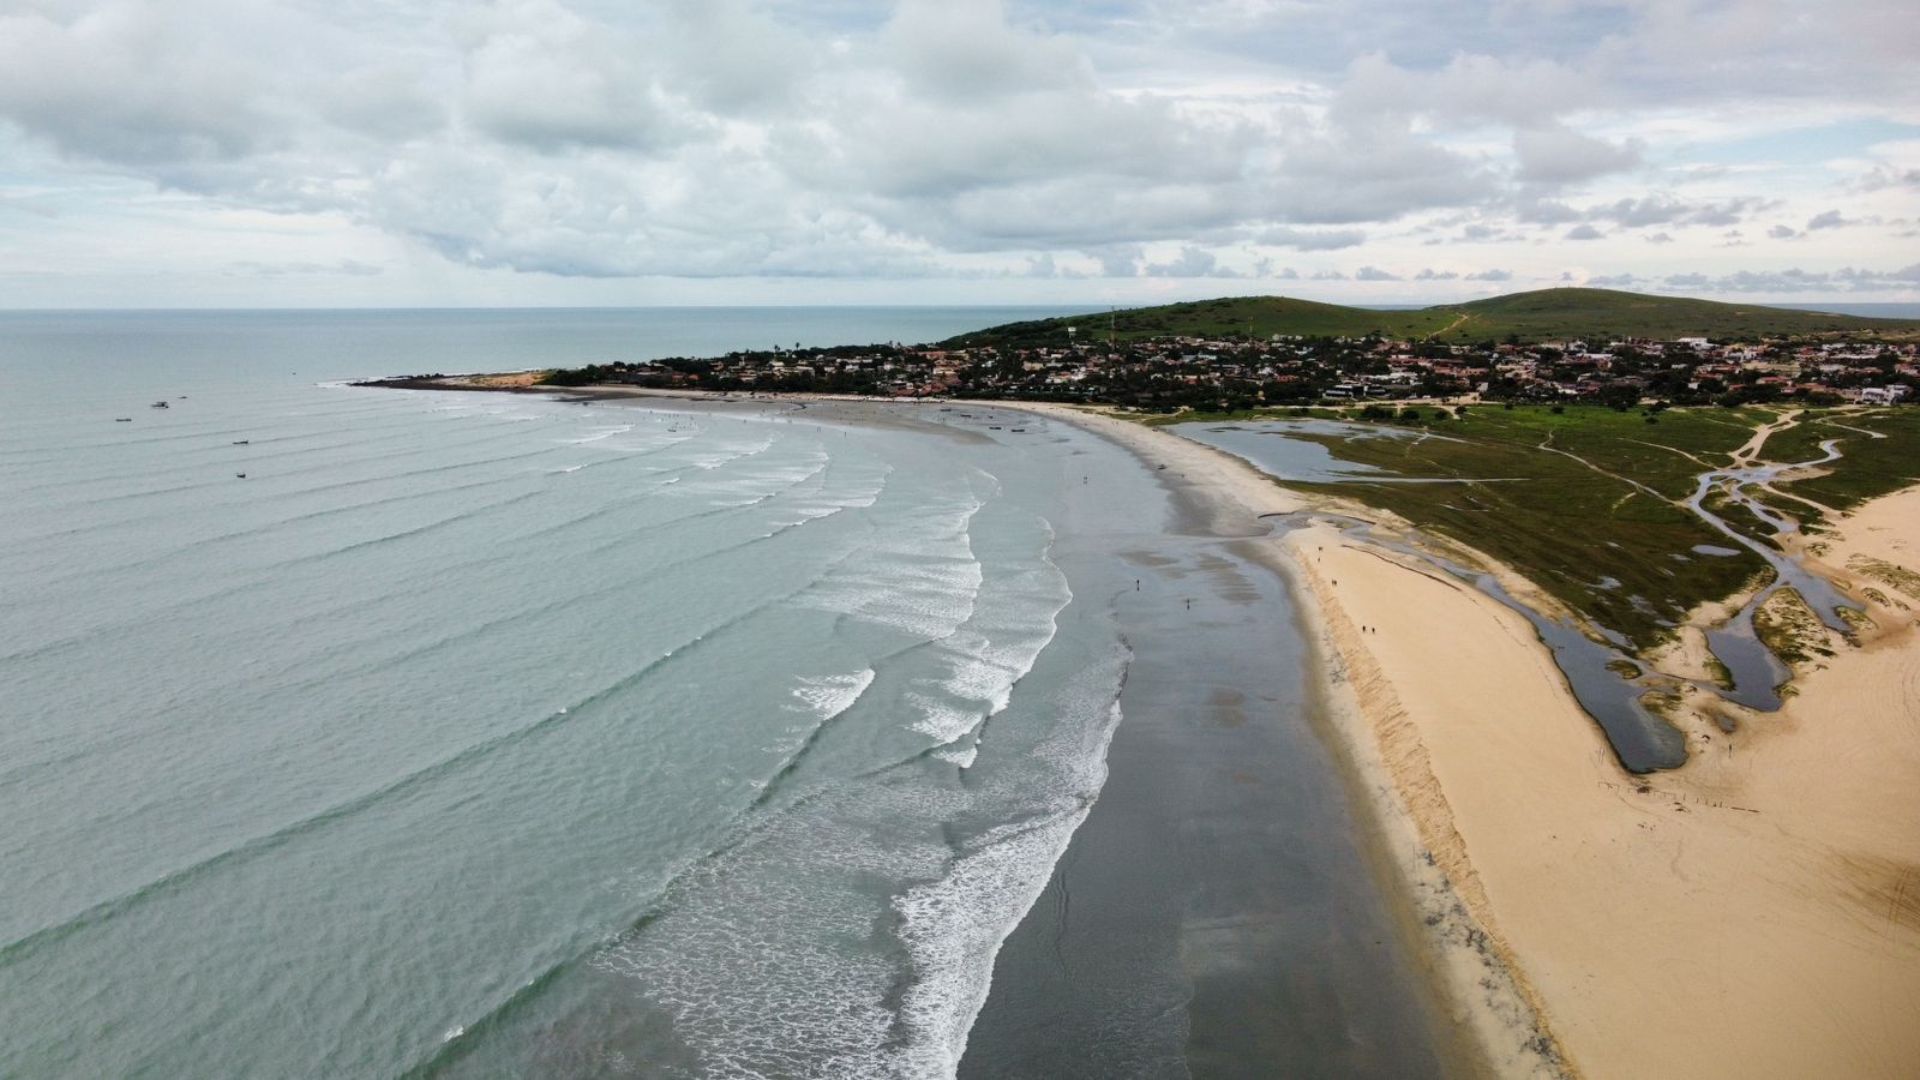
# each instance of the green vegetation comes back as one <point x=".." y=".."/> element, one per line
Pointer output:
<point x="1218" y="416"/>
<point x="1869" y="468"/>
<point x="1587" y="502"/>
<point x="1903" y="581"/>
<point x="1787" y="626"/>
<point x="1583" y="502"/>
<point x="1542" y="315"/>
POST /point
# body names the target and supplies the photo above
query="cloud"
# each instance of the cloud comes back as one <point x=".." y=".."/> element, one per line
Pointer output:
<point x="1555" y="154"/>
<point x="1781" y="232"/>
<point x="1192" y="262"/>
<point x="1538" y="211"/>
<point x="541" y="76"/>
<point x="349" y="267"/>
<point x="1882" y="177"/>
<point x="140" y="83"/>
<point x="1374" y="273"/>
<point x="1310" y="239"/>
<point x="924" y="139"/>
<point x="1795" y="280"/>
<point x="1118" y="261"/>
<point x="1490" y="275"/>
<point x="1662" y="209"/>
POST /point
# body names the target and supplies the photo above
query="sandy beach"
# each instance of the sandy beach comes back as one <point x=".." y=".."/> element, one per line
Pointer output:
<point x="1755" y="913"/>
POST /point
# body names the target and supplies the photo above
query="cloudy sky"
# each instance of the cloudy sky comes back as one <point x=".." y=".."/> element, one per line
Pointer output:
<point x="426" y="152"/>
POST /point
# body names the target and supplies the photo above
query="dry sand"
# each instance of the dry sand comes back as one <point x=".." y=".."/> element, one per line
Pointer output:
<point x="1754" y="914"/>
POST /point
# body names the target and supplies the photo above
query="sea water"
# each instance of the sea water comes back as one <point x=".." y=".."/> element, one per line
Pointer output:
<point x="356" y="732"/>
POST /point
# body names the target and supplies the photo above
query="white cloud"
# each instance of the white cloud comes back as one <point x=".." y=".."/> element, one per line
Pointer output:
<point x="939" y="141"/>
<point x="1555" y="154"/>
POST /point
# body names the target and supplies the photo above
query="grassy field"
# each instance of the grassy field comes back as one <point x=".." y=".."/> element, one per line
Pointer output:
<point x="1870" y="467"/>
<point x="1542" y="315"/>
<point x="1585" y="502"/>
<point x="1582" y="503"/>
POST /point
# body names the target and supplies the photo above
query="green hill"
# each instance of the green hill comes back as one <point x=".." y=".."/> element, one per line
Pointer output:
<point x="1542" y="315"/>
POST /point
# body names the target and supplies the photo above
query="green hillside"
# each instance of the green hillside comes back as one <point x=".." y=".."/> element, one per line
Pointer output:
<point x="1543" y="315"/>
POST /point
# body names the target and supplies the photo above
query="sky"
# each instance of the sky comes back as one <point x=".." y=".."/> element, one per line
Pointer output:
<point x="405" y="153"/>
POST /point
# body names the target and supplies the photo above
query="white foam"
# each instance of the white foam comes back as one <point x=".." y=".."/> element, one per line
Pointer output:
<point x="959" y="756"/>
<point x="1016" y="616"/>
<point x="756" y="953"/>
<point x="827" y="696"/>
<point x="918" y="576"/>
<point x="599" y="434"/>
<point x="954" y="927"/>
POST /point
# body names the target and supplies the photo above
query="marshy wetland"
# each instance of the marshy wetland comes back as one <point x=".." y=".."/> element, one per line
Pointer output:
<point x="1634" y="526"/>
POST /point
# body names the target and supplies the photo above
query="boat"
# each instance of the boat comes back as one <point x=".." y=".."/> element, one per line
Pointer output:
<point x="241" y="442"/>
<point x="123" y="419"/>
<point x="240" y="475"/>
<point x="160" y="405"/>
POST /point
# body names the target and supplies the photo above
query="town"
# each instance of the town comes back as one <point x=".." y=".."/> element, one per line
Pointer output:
<point x="1172" y="373"/>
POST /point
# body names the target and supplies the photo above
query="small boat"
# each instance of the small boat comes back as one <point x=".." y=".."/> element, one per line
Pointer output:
<point x="160" y="405"/>
<point x="123" y="419"/>
<point x="240" y="475"/>
<point x="241" y="442"/>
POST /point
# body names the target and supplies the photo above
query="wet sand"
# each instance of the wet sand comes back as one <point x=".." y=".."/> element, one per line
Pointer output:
<point x="1221" y="913"/>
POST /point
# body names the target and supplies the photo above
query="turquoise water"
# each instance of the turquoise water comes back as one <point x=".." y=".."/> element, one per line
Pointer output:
<point x="485" y="733"/>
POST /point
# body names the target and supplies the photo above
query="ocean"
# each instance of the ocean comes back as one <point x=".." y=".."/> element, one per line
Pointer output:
<point x="367" y="733"/>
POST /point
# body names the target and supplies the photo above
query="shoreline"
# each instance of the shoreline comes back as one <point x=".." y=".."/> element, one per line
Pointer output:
<point x="1492" y="1007"/>
<point x="1755" y="912"/>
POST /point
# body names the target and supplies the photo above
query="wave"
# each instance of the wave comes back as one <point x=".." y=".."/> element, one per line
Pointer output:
<point x="503" y="553"/>
<point x="781" y="923"/>
<point x="919" y="578"/>
<point x="198" y="546"/>
<point x="329" y="465"/>
<point x="954" y="927"/>
<point x="96" y="914"/>
<point x="827" y="696"/>
<point x="599" y="434"/>
<point x="121" y="739"/>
